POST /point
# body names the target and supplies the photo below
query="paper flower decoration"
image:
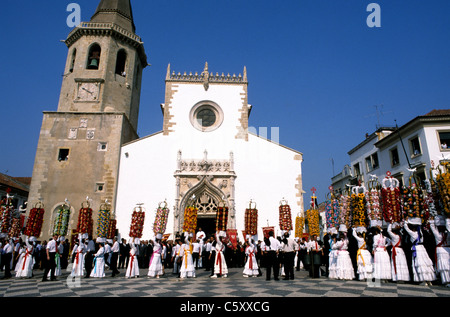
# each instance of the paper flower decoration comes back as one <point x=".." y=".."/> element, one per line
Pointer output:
<point x="299" y="225"/>
<point x="34" y="222"/>
<point x="103" y="223"/>
<point x="112" y="228"/>
<point x="190" y="219"/>
<point x="285" y="217"/>
<point x="160" y="224"/>
<point x="85" y="221"/>
<point x="251" y="221"/>
<point x="62" y="221"/>
<point x="359" y="210"/>
<point x="312" y="215"/>
<point x="14" y="232"/>
<point x="6" y="219"/>
<point x="137" y="223"/>
<point x="221" y="218"/>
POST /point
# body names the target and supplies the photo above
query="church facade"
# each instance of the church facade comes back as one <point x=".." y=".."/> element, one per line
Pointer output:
<point x="89" y="151"/>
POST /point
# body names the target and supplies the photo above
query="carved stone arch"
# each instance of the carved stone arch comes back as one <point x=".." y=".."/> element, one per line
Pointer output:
<point x="204" y="186"/>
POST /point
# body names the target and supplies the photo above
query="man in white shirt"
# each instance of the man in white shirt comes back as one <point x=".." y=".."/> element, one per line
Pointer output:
<point x="114" y="256"/>
<point x="289" y="246"/>
<point x="315" y="252"/>
<point x="89" y="257"/>
<point x="51" y="249"/>
<point x="207" y="253"/>
<point x="6" y="258"/>
<point x="176" y="256"/>
<point x="196" y="253"/>
<point x="273" y="246"/>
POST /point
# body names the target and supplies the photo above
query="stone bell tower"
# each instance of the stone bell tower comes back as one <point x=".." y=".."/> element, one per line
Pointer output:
<point x="79" y="145"/>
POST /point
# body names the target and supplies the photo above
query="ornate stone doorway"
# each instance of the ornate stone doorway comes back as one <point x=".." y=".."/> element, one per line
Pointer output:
<point x="205" y="184"/>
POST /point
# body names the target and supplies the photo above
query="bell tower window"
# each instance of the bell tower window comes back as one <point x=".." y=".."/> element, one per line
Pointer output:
<point x="121" y="63"/>
<point x="94" y="57"/>
<point x="72" y="62"/>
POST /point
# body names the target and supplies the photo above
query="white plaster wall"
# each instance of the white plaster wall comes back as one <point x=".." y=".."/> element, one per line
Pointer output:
<point x="266" y="172"/>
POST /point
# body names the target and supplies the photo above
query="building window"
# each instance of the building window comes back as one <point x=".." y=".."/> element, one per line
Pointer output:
<point x="395" y="159"/>
<point x="63" y="155"/>
<point x="372" y="162"/>
<point x="102" y="146"/>
<point x="94" y="57"/>
<point x="121" y="63"/>
<point x="72" y="62"/>
<point x="444" y="140"/>
<point x="414" y="144"/>
<point x="99" y="187"/>
<point x="206" y="116"/>
<point x="357" y="170"/>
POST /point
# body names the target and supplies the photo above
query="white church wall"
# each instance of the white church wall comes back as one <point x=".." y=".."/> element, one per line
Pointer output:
<point x="265" y="172"/>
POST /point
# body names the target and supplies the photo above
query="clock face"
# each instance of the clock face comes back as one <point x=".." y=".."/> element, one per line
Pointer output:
<point x="88" y="91"/>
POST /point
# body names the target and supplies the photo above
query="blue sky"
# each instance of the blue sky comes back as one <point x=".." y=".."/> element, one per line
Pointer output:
<point x="315" y="69"/>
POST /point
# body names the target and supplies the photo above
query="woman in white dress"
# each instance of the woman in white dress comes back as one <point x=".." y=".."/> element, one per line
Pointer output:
<point x="422" y="266"/>
<point x="99" y="263"/>
<point x="187" y="268"/>
<point x="133" y="265"/>
<point x="399" y="265"/>
<point x="24" y="266"/>
<point x="251" y="266"/>
<point x="442" y="250"/>
<point x="363" y="258"/>
<point x="332" y="258"/>
<point x="220" y="265"/>
<point x="381" y="259"/>
<point x="155" y="267"/>
<point x="343" y="268"/>
<point x="78" y="258"/>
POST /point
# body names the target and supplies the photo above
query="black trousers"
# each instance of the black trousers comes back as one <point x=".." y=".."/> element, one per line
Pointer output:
<point x="195" y="257"/>
<point x="113" y="263"/>
<point x="272" y="263"/>
<point x="88" y="261"/>
<point x="50" y="266"/>
<point x="6" y="261"/>
<point x="289" y="265"/>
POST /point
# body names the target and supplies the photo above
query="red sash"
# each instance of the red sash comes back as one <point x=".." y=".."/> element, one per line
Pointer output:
<point x="394" y="255"/>
<point x="25" y="258"/>
<point x="131" y="262"/>
<point x="219" y="260"/>
<point x="251" y="260"/>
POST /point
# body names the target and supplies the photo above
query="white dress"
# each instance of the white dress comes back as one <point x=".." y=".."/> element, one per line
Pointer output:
<point x="24" y="266"/>
<point x="187" y="268"/>
<point x="99" y="263"/>
<point x="155" y="267"/>
<point x="133" y="265"/>
<point x="364" y="259"/>
<point x="381" y="261"/>
<point x="344" y="266"/>
<point x="332" y="261"/>
<point x="422" y="266"/>
<point x="251" y="266"/>
<point x="78" y="262"/>
<point x="220" y="265"/>
<point x="442" y="254"/>
<point x="399" y="264"/>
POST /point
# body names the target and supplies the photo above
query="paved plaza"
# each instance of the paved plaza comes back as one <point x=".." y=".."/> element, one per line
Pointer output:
<point x="234" y="286"/>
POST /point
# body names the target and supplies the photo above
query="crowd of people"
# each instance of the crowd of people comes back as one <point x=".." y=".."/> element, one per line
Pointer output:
<point x="399" y="253"/>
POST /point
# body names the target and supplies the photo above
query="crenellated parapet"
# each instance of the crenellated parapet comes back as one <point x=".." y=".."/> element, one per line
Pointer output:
<point x="206" y="77"/>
